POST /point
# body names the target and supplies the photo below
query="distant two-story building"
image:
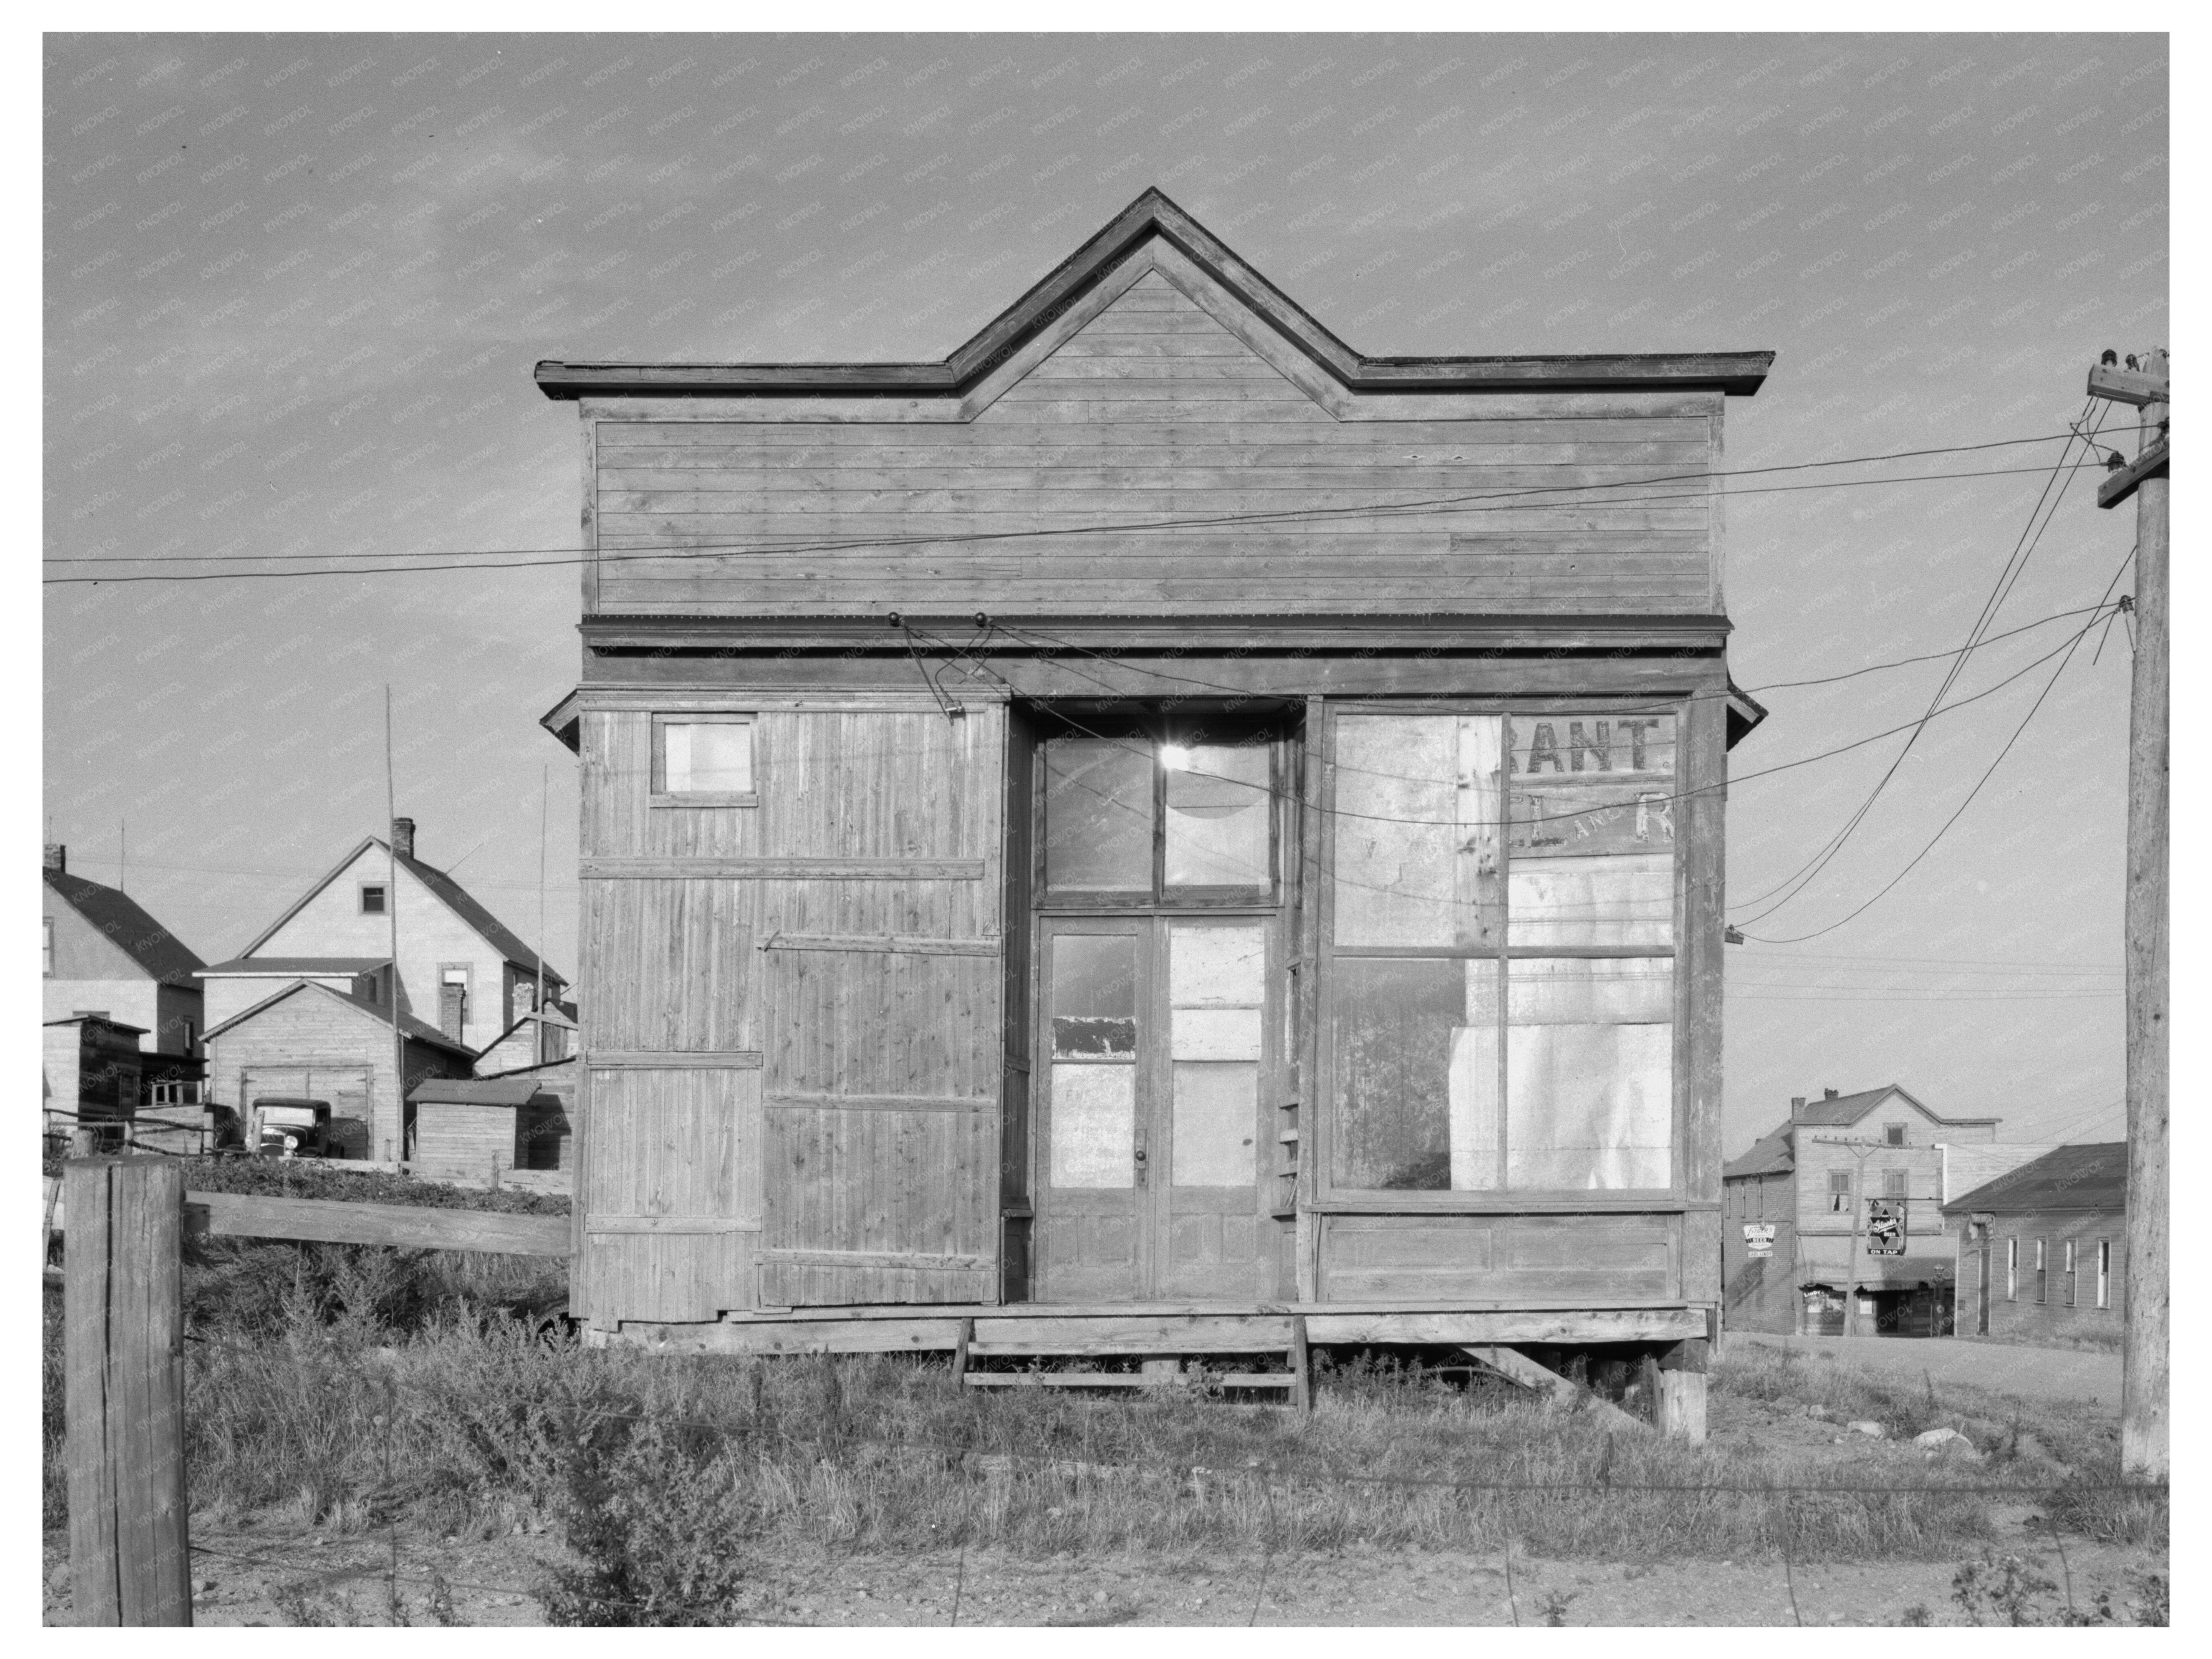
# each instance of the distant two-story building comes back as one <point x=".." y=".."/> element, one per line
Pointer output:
<point x="2042" y="1250"/>
<point x="101" y="953"/>
<point x="122" y="1008"/>
<point x="307" y="1008"/>
<point x="1845" y="1198"/>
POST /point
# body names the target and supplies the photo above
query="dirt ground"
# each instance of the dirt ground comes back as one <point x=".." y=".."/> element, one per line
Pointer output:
<point x="348" y="1580"/>
<point x="268" y="1570"/>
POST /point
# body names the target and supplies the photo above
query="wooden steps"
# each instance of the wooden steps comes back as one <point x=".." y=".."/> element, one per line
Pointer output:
<point x="1128" y="1380"/>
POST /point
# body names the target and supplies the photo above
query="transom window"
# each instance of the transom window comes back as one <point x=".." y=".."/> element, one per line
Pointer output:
<point x="1499" y="985"/>
<point x="1175" y="813"/>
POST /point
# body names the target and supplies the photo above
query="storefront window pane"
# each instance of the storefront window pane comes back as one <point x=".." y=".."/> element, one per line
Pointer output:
<point x="1217" y="815"/>
<point x="1098" y="815"/>
<point x="1418" y="804"/>
<point x="1415" y="1043"/>
<point x="1592" y="832"/>
<point x="1590" y="1081"/>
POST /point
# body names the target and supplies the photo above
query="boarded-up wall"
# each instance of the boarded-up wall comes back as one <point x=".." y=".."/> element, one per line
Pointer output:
<point x="792" y="1038"/>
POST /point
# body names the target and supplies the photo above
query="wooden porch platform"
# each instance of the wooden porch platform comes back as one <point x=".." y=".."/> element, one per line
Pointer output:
<point x="1035" y="1329"/>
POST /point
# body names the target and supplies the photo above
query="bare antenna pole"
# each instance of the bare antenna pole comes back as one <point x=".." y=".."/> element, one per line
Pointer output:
<point x="544" y="811"/>
<point x="392" y="912"/>
<point x="122" y="856"/>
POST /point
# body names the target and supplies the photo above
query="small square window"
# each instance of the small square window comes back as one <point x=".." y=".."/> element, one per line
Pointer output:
<point x="703" y="759"/>
<point x="1892" y="1134"/>
<point x="372" y="898"/>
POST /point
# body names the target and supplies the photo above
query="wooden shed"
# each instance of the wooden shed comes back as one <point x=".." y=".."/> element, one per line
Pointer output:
<point x="1157" y="834"/>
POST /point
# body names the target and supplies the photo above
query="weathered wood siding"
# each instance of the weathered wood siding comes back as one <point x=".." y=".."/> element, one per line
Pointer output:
<point x="1535" y="1260"/>
<point x="1158" y="397"/>
<point x="457" y="1138"/>
<point x="792" y="1038"/>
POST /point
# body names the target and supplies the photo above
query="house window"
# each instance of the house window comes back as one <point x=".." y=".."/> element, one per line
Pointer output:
<point x="1839" y="1192"/>
<point x="2042" y="1271"/>
<point x="1499" y="984"/>
<point x="2011" y="1270"/>
<point x="46" y="949"/>
<point x="1179" y="812"/>
<point x="1892" y="1134"/>
<point x="1894" y="1183"/>
<point x="2070" y="1274"/>
<point x="372" y="898"/>
<point x="2104" y="1272"/>
<point x="703" y="759"/>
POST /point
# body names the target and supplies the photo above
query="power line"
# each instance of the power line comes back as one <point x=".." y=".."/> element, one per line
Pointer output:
<point x="1354" y="509"/>
<point x="1987" y="774"/>
<point x="1798" y="880"/>
<point x="645" y="553"/>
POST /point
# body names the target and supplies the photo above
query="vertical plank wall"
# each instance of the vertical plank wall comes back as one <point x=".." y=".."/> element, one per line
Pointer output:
<point x="791" y="1021"/>
<point x="882" y="1033"/>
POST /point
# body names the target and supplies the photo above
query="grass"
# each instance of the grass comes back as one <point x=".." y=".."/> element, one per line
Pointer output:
<point x="342" y="1388"/>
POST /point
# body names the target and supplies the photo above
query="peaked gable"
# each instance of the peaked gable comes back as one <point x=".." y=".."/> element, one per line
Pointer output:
<point x="439" y="885"/>
<point x="409" y="1026"/>
<point x="123" y="922"/>
<point x="1843" y="1111"/>
<point x="1153" y="221"/>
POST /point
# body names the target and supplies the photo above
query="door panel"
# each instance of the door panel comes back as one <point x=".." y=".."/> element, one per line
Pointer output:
<point x="1217" y="993"/>
<point x="1151" y="1052"/>
<point x="1091" y="1099"/>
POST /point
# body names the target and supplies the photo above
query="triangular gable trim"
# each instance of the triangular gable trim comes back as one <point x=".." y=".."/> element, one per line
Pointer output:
<point x="410" y="1028"/>
<point x="1154" y="219"/>
<point x="429" y="888"/>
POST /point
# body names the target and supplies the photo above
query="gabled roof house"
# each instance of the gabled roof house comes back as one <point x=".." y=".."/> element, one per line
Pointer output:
<point x="461" y="970"/>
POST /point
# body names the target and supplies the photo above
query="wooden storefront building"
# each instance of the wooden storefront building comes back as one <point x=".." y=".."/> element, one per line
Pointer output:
<point x="1157" y="833"/>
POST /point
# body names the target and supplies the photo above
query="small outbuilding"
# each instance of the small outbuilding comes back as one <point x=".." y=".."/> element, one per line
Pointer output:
<point x="473" y="1126"/>
<point x="2043" y="1250"/>
<point x="311" y="1041"/>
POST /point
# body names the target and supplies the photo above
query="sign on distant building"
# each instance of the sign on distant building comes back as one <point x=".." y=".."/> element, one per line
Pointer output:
<point x="1759" y="1238"/>
<point x="1885" y="1226"/>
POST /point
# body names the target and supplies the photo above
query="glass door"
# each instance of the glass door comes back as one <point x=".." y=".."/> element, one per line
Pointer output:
<point x="1150" y="1112"/>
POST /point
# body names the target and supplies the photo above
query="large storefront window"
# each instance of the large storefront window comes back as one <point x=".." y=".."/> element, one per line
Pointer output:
<point x="1500" y="987"/>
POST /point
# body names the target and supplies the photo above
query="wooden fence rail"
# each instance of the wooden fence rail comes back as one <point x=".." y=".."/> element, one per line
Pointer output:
<point x="325" y="1221"/>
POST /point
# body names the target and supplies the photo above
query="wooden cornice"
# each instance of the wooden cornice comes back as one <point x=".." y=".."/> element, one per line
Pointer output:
<point x="1152" y="214"/>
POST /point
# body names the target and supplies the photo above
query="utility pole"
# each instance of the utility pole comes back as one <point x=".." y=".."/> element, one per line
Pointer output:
<point x="2144" y="382"/>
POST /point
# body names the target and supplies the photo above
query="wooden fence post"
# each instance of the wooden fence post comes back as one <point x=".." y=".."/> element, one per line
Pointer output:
<point x="124" y="1313"/>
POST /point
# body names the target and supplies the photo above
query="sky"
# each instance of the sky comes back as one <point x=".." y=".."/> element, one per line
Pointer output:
<point x="293" y="287"/>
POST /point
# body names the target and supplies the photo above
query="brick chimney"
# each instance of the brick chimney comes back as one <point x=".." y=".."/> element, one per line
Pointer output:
<point x="58" y="857"/>
<point x="403" y="837"/>
<point x="1827" y="1094"/>
<point x="1796" y="1104"/>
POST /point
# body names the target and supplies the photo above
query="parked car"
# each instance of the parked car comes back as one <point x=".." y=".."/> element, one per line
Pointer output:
<point x="285" y="1127"/>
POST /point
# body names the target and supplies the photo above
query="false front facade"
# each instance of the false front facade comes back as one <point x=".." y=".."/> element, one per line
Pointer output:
<point x="1157" y="817"/>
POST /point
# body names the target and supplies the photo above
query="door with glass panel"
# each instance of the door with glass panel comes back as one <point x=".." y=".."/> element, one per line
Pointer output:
<point x="1157" y="887"/>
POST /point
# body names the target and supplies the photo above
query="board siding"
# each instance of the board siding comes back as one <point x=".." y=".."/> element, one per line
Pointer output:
<point x="1170" y="405"/>
<point x="1498" y="1258"/>
<point x="881" y="1038"/>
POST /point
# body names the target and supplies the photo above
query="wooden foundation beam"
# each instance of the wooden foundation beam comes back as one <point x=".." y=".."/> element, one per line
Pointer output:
<point x="1517" y="1367"/>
